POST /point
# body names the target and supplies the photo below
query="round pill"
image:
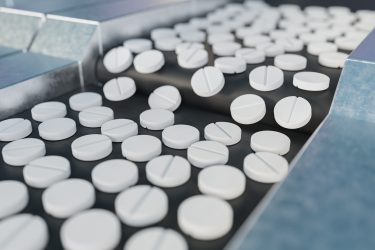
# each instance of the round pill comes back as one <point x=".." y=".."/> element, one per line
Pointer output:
<point x="270" y="141"/>
<point x="311" y="81"/>
<point x="159" y="33"/>
<point x="23" y="232"/>
<point x="307" y="38"/>
<point x="138" y="45"/>
<point x="45" y="171"/>
<point x="21" y="152"/>
<point x="207" y="81"/>
<point x="292" y="112"/>
<point x="230" y="65"/>
<point x="248" y="109"/>
<point x="156" y="238"/>
<point x="167" y="44"/>
<point x="271" y="49"/>
<point x="119" y="129"/>
<point x="91" y="147"/>
<point x="168" y="171"/>
<point x="290" y="62"/>
<point x="57" y="129"/>
<point x="223" y="181"/>
<point x="290" y="44"/>
<point x="192" y="58"/>
<point x="225" y="48"/>
<point x="265" y="167"/>
<point x="251" y="56"/>
<point x="149" y="61"/>
<point x="95" y="229"/>
<point x="14" y="196"/>
<point x="321" y="47"/>
<point x="95" y="117"/>
<point x="14" y="129"/>
<point x="266" y="78"/>
<point x="333" y="59"/>
<point x="141" y="205"/>
<point x="254" y="40"/>
<point x="118" y="59"/>
<point x="180" y="136"/>
<point x="48" y="110"/>
<point x="187" y="45"/>
<point x="193" y="36"/>
<point x="195" y="217"/>
<point x="114" y="176"/>
<point x="207" y="153"/>
<point x="141" y="148"/>
<point x="156" y="119"/>
<point x="243" y="32"/>
<point x="119" y="89"/>
<point x="225" y="132"/>
<point x="85" y="100"/>
<point x="220" y="37"/>
<point x="165" y="97"/>
<point x="348" y="43"/>
<point x="68" y="197"/>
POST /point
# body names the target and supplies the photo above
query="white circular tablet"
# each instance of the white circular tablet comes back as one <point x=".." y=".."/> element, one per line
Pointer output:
<point x="45" y="171"/>
<point x="91" y="147"/>
<point x="156" y="119"/>
<point x="290" y="62"/>
<point x="318" y="48"/>
<point x="118" y="59"/>
<point x="168" y="171"/>
<point x="119" y="89"/>
<point x="207" y="81"/>
<point x="270" y="141"/>
<point x="21" y="152"/>
<point x="290" y="44"/>
<point x="225" y="48"/>
<point x="141" y="205"/>
<point x="119" y="129"/>
<point x="192" y="58"/>
<point x="348" y="43"/>
<point x="185" y="46"/>
<point x="248" y="109"/>
<point x="156" y="238"/>
<point x="48" y="110"/>
<point x="14" y="196"/>
<point x="23" y="232"/>
<point x="165" y="97"/>
<point x="14" y="129"/>
<point x="312" y="37"/>
<point x="57" y="129"/>
<point x="230" y="65"/>
<point x="193" y="36"/>
<point x="223" y="181"/>
<point x="207" y="153"/>
<point x="292" y="112"/>
<point x="68" y="197"/>
<point x="225" y="132"/>
<point x="141" y="148"/>
<point x="85" y="100"/>
<point x="95" y="117"/>
<point x="254" y="40"/>
<point x="266" y="78"/>
<point x="149" y="61"/>
<point x="251" y="56"/>
<point x="159" y="33"/>
<point x="114" y="176"/>
<point x="167" y="44"/>
<point x="180" y="136"/>
<point x="271" y="49"/>
<point x="95" y="229"/>
<point x="265" y="167"/>
<point x="138" y="45"/>
<point x="220" y="37"/>
<point x="333" y="59"/>
<point x="196" y="218"/>
<point x="311" y="81"/>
